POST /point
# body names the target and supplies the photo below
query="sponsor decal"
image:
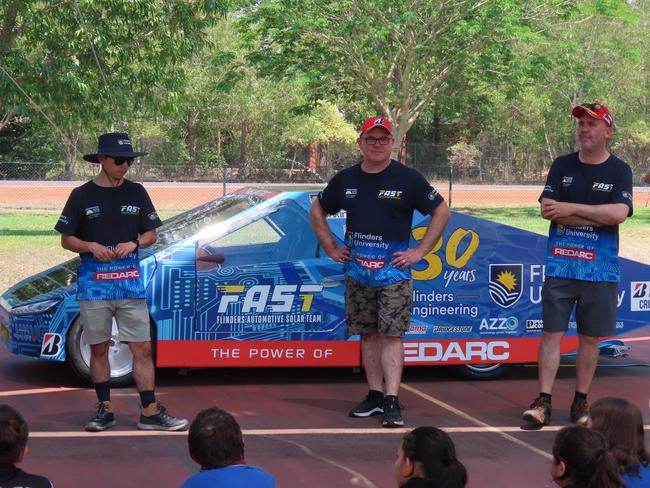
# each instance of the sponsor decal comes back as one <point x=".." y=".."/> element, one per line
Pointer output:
<point x="130" y="210"/>
<point x="571" y="253"/>
<point x="626" y="195"/>
<point x="534" y="325"/>
<point x="548" y="189"/>
<point x="123" y="274"/>
<point x="640" y="296"/>
<point x="456" y="351"/>
<point x="433" y="194"/>
<point x="505" y="283"/>
<point x="390" y="194"/>
<point x="92" y="212"/>
<point x="124" y="142"/>
<point x="51" y="345"/>
<point x="267" y="298"/>
<point x="606" y="187"/>
<point x="451" y="329"/>
<point x="350" y="192"/>
<point x="417" y="329"/>
<point x="371" y="264"/>
<point x="63" y="219"/>
<point x="499" y="325"/>
<point x="152" y="216"/>
<point x="566" y="180"/>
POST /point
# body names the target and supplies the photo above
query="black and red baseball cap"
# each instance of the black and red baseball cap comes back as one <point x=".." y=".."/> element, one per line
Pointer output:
<point x="376" y="121"/>
<point x="595" y="110"/>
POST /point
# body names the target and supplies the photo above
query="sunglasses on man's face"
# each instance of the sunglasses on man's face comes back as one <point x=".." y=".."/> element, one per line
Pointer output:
<point x="119" y="161"/>
<point x="595" y="107"/>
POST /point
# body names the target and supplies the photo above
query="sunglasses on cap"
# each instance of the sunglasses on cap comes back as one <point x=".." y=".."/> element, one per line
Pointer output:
<point x="119" y="161"/>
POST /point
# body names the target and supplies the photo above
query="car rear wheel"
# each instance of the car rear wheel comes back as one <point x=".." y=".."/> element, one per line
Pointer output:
<point x="482" y="371"/>
<point x="119" y="355"/>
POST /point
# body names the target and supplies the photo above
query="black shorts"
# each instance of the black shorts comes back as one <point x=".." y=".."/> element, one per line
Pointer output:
<point x="595" y="302"/>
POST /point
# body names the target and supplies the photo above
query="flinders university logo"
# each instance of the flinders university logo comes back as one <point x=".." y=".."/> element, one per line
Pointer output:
<point x="505" y="283"/>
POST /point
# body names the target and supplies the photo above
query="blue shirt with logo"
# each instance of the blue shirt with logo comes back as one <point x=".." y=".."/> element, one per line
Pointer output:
<point x="235" y="476"/>
<point x="587" y="252"/>
<point x="379" y="208"/>
<point x="108" y="216"/>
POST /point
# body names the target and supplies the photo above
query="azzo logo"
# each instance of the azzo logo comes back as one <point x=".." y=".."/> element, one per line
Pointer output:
<point x="505" y="283"/>
<point x="640" y="296"/>
<point x="130" y="210"/>
<point x="391" y="194"/>
<point x="606" y="187"/>
<point x="51" y="344"/>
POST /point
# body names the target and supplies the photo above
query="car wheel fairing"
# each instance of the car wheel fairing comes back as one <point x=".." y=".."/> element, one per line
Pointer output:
<point x="482" y="371"/>
<point x="119" y="356"/>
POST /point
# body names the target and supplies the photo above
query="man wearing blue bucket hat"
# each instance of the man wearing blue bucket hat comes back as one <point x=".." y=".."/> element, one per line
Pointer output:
<point x="106" y="221"/>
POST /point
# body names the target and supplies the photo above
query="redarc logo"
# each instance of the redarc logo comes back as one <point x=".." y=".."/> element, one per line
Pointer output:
<point x="371" y="264"/>
<point x="466" y="351"/>
<point x="568" y="252"/>
<point x="124" y="274"/>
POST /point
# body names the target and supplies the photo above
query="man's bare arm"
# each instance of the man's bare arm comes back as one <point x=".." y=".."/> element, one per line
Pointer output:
<point x="318" y="220"/>
<point x="577" y="214"/>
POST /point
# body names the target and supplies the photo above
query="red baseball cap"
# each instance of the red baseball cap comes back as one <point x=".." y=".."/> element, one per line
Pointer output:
<point x="376" y="121"/>
<point x="595" y="110"/>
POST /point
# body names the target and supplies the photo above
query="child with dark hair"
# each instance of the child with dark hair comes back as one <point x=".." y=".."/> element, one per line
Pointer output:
<point x="426" y="458"/>
<point x="216" y="444"/>
<point x="581" y="460"/>
<point x="13" y="448"/>
<point x="621" y="422"/>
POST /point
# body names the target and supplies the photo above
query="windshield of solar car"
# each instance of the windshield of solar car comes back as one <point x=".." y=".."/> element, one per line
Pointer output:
<point x="189" y="223"/>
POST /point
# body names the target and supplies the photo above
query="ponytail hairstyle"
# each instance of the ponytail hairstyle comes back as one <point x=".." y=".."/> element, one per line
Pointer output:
<point x="621" y="422"/>
<point x="434" y="451"/>
<point x="587" y="460"/>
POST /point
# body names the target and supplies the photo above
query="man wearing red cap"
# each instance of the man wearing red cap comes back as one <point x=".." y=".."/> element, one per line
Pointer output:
<point x="379" y="196"/>
<point x="106" y="221"/>
<point x="587" y="195"/>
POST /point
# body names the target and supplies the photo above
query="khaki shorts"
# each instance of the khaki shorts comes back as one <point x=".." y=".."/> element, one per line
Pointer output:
<point x="131" y="316"/>
<point x="383" y="309"/>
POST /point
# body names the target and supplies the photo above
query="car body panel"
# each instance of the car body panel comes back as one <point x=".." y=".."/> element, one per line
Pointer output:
<point x="241" y="281"/>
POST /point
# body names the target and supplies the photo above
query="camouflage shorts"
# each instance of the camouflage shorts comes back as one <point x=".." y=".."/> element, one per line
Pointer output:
<point x="383" y="309"/>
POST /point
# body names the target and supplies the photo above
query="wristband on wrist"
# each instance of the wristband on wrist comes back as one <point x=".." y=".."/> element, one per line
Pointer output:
<point x="137" y="244"/>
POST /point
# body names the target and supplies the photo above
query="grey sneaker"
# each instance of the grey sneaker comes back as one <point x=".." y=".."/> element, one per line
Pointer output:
<point x="161" y="421"/>
<point x="102" y="420"/>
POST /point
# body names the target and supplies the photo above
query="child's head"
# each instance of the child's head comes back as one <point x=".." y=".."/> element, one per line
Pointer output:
<point x="215" y="439"/>
<point x="13" y="436"/>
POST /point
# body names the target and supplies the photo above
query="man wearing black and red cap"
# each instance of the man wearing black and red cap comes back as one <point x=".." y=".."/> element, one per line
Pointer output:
<point x="106" y="221"/>
<point x="587" y="195"/>
<point x="379" y="196"/>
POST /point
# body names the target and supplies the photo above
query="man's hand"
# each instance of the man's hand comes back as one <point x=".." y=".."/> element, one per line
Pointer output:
<point x="404" y="259"/>
<point x="124" y="248"/>
<point x="552" y="210"/>
<point x="341" y="254"/>
<point x="101" y="253"/>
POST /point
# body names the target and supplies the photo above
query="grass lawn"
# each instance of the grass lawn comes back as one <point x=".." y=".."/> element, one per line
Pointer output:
<point x="29" y="243"/>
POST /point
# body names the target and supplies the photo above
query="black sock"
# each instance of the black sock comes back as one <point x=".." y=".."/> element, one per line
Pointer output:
<point x="375" y="394"/>
<point x="103" y="391"/>
<point x="580" y="396"/>
<point x="545" y="397"/>
<point x="147" y="398"/>
<point x="390" y="398"/>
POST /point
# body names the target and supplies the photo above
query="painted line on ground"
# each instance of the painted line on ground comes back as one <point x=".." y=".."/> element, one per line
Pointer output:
<point x="476" y="421"/>
<point x="302" y="432"/>
<point x="38" y="391"/>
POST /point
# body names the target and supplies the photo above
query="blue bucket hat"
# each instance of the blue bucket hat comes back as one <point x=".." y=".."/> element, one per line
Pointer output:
<point x="114" y="144"/>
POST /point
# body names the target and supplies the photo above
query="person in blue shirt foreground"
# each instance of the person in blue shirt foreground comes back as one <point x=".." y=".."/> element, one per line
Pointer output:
<point x="106" y="221"/>
<point x="586" y="196"/>
<point x="621" y="422"/>
<point x="216" y="444"/>
<point x="379" y="196"/>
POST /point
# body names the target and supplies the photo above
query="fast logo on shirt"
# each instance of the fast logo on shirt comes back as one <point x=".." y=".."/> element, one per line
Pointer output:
<point x="130" y="210"/>
<point x="371" y="264"/>
<point x="92" y="212"/>
<point x="391" y="194"/>
<point x="606" y="187"/>
<point x="123" y="274"/>
<point x="571" y="253"/>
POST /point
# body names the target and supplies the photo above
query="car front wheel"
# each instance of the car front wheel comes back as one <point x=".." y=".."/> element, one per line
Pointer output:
<point x="482" y="371"/>
<point x="119" y="356"/>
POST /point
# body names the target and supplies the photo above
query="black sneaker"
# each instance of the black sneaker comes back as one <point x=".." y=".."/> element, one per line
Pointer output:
<point x="580" y="412"/>
<point x="373" y="404"/>
<point x="161" y="421"/>
<point x="102" y="420"/>
<point x="392" y="413"/>
<point x="539" y="412"/>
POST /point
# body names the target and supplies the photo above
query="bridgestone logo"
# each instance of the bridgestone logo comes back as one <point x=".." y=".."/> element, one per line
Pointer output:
<point x="126" y="274"/>
<point x="567" y="252"/>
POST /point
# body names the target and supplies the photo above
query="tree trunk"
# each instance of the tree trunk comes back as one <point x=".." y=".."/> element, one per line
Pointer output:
<point x="402" y="150"/>
<point x="243" y="149"/>
<point x="312" y="162"/>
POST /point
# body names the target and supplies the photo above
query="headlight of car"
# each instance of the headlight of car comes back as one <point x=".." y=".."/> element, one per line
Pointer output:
<point x="37" y="307"/>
